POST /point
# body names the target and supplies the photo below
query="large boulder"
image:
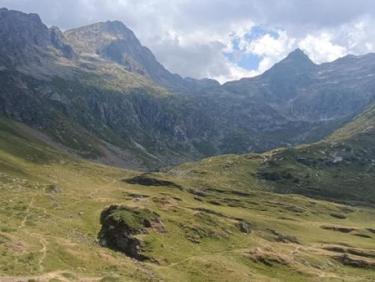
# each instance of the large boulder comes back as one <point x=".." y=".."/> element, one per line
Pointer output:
<point x="121" y="224"/>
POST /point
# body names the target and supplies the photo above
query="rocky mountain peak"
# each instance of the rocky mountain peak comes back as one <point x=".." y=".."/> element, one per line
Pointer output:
<point x="297" y="63"/>
<point x="298" y="57"/>
<point x="19" y="30"/>
<point x="117" y="28"/>
<point x="95" y="38"/>
<point x="24" y="38"/>
<point x="113" y="41"/>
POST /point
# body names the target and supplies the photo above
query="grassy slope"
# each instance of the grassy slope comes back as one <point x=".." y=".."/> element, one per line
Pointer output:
<point x="49" y="232"/>
<point x="341" y="168"/>
<point x="61" y="108"/>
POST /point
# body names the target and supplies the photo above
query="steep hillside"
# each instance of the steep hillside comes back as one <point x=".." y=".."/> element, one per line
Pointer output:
<point x="341" y="168"/>
<point x="206" y="221"/>
<point x="142" y="127"/>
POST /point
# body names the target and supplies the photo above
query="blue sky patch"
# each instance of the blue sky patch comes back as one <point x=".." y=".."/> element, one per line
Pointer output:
<point x="243" y="59"/>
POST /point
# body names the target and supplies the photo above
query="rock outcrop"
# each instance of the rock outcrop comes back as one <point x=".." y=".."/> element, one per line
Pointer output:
<point x="146" y="180"/>
<point x="121" y="225"/>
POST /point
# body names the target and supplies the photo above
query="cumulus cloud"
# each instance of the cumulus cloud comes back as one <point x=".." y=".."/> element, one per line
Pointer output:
<point x="270" y="49"/>
<point x="321" y="49"/>
<point x="194" y="37"/>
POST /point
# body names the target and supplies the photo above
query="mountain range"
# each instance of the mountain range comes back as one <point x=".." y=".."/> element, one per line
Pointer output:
<point x="97" y="92"/>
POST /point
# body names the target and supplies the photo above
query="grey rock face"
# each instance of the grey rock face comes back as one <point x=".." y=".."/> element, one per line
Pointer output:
<point x="25" y="39"/>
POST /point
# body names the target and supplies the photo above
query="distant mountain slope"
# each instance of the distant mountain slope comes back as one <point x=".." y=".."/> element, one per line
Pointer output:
<point x="140" y="127"/>
<point x="301" y="90"/>
<point x="340" y="168"/>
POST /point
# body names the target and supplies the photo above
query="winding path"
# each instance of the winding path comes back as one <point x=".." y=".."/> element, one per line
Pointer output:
<point x="24" y="220"/>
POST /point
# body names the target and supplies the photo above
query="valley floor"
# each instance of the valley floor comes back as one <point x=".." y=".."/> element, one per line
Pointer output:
<point x="219" y="223"/>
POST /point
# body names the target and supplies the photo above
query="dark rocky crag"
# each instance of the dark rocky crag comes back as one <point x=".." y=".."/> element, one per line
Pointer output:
<point x="26" y="40"/>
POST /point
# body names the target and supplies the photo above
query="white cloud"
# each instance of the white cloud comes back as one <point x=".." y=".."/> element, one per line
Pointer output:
<point x="235" y="73"/>
<point x="270" y="48"/>
<point x="321" y="49"/>
<point x="357" y="36"/>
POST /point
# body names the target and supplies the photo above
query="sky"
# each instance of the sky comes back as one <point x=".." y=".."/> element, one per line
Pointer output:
<point x="225" y="39"/>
